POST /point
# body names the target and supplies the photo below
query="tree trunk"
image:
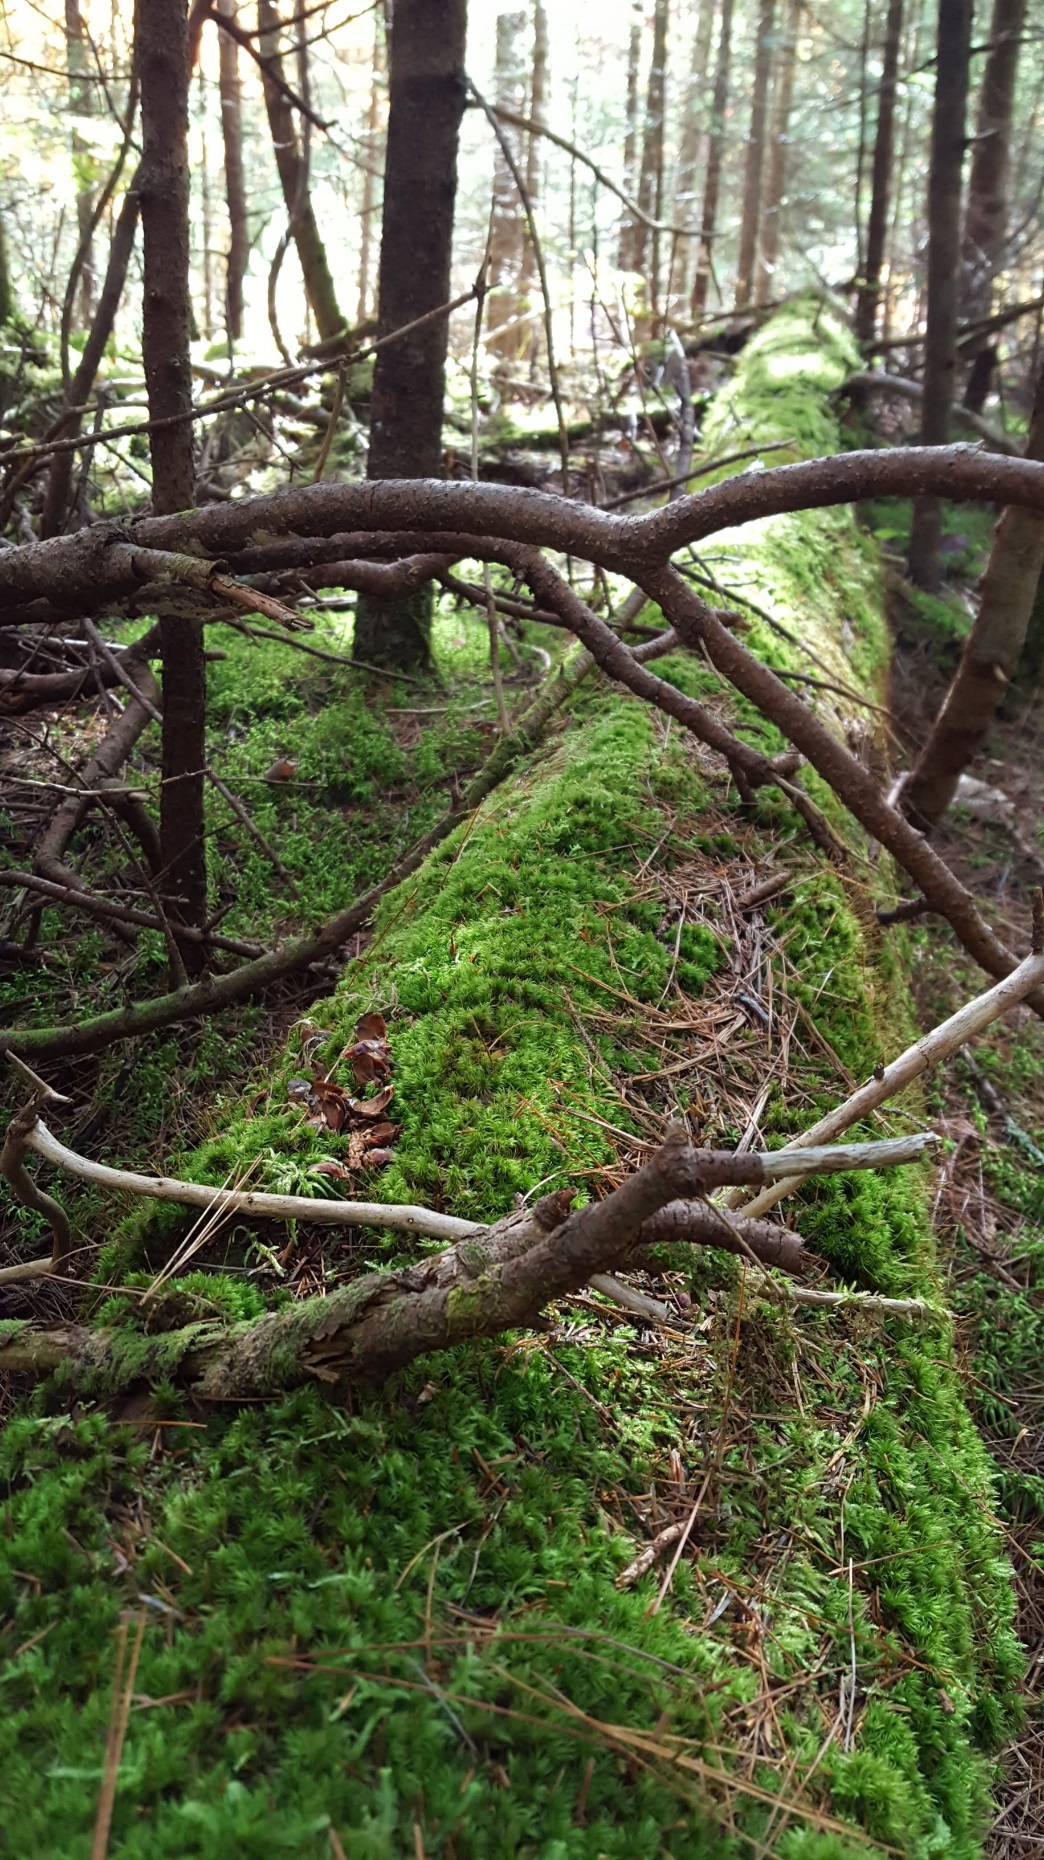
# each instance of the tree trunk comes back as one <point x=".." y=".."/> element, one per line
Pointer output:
<point x="235" y="186"/>
<point x="426" y="88"/>
<point x="991" y="652"/>
<point x="880" y="179"/>
<point x="166" y="323"/>
<point x="293" y="176"/>
<point x="625" y="255"/>
<point x="650" y="180"/>
<point x="59" y="481"/>
<point x="776" y="180"/>
<point x="507" y="221"/>
<point x="534" y="162"/>
<point x="755" y="163"/>
<point x="986" y="214"/>
<point x="82" y="102"/>
<point x="371" y="169"/>
<point x="944" y="247"/>
<point x="693" y="133"/>
<point x="715" y="158"/>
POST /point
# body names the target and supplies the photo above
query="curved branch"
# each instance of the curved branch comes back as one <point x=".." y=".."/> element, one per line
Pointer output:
<point x="97" y="564"/>
<point x="488" y="1283"/>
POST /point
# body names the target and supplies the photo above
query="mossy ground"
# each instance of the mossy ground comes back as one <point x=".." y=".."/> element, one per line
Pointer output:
<point x="395" y="1621"/>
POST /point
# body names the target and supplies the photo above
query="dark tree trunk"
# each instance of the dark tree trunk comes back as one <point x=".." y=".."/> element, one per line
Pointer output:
<point x="507" y="221"/>
<point x="880" y="179"/>
<point x="59" y="482"/>
<point x="167" y="318"/>
<point x="235" y="186"/>
<point x="293" y="176"/>
<point x="625" y="255"/>
<point x="991" y="652"/>
<point x="715" y="158"/>
<point x="986" y="214"/>
<point x="776" y="179"/>
<point x="650" y="181"/>
<point x="754" y="168"/>
<point x="944" y="247"/>
<point x="427" y="90"/>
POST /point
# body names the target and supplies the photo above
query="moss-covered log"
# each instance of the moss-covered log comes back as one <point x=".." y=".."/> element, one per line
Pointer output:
<point x="400" y="1614"/>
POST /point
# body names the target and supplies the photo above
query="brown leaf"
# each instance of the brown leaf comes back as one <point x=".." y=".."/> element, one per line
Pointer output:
<point x="332" y="1168"/>
<point x="371" y="1107"/>
<point x="378" y="1159"/>
<point x="378" y="1134"/>
<point x="371" y="1027"/>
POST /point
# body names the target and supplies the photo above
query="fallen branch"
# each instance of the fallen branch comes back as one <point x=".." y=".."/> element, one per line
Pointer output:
<point x="98" y="568"/>
<point x="487" y="1283"/>
<point x="851" y="782"/>
<point x="872" y="382"/>
<point x="932" y="1049"/>
<point x="698" y="1222"/>
<point x="80" y="900"/>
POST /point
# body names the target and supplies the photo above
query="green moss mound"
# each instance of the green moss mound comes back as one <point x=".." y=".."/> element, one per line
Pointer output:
<point x="395" y="1625"/>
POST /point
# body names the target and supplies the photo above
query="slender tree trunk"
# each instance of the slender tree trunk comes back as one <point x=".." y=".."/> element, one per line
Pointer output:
<point x="991" y="652"/>
<point x="944" y="247"/>
<point x="166" y="324"/>
<point x="507" y="221"/>
<point x="82" y="102"/>
<point x="59" y="481"/>
<point x="986" y="214"/>
<point x="650" y="180"/>
<point x="235" y="186"/>
<point x="693" y="137"/>
<point x="881" y="179"/>
<point x="715" y="159"/>
<point x="293" y="174"/>
<point x="370" y="169"/>
<point x="6" y="300"/>
<point x="625" y="257"/>
<point x="427" y="88"/>
<point x="534" y="159"/>
<point x="755" y="163"/>
<point x="776" y="179"/>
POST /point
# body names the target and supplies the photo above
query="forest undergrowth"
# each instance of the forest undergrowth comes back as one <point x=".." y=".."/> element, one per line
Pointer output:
<point x="411" y="1623"/>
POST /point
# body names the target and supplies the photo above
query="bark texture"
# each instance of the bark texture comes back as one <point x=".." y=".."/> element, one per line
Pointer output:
<point x="880" y="179"/>
<point x="695" y="117"/>
<point x="235" y="186"/>
<point x="507" y="221"/>
<point x="625" y="254"/>
<point x="776" y="177"/>
<point x="167" y="317"/>
<point x="953" y="44"/>
<point x="715" y="162"/>
<point x="650" y="179"/>
<point x="420" y="186"/>
<point x="293" y="175"/>
<point x="986" y="216"/>
<point x="753" y="172"/>
<point x="991" y="653"/>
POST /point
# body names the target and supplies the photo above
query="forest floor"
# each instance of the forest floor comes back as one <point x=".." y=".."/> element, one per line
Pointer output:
<point x="412" y="1623"/>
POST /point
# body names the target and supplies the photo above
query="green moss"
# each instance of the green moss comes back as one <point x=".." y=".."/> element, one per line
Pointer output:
<point x="404" y="1614"/>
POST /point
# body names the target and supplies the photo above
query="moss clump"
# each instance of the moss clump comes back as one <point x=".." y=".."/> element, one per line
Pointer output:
<point x="404" y="1616"/>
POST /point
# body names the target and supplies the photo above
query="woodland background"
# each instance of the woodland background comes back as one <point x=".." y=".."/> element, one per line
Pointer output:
<point x="521" y="639"/>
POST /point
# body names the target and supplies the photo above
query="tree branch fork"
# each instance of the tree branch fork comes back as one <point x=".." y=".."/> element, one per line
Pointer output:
<point x="492" y="1279"/>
